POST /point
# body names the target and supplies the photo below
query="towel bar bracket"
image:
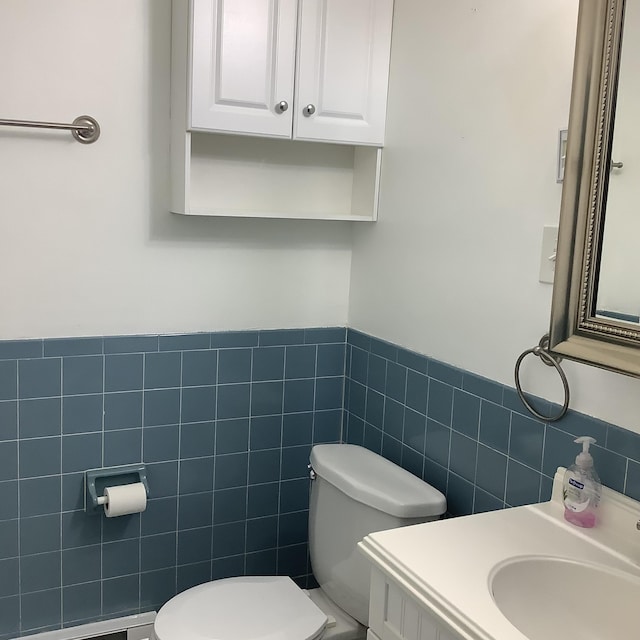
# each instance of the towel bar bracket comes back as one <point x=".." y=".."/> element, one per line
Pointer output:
<point x="86" y="129"/>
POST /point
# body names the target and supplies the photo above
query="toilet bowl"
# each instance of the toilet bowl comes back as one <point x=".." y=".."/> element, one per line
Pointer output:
<point x="354" y="492"/>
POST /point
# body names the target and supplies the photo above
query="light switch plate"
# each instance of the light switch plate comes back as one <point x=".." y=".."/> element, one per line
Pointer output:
<point x="548" y="254"/>
<point x="562" y="154"/>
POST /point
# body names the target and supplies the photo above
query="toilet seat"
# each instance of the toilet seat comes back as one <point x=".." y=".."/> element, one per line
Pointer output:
<point x="246" y="608"/>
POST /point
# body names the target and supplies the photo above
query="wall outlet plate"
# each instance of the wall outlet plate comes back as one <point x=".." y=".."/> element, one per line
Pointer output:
<point x="548" y="254"/>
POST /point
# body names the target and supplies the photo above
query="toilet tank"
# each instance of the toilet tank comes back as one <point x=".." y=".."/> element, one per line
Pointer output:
<point x="356" y="492"/>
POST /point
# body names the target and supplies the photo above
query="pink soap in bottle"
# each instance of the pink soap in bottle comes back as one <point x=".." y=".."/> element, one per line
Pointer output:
<point x="582" y="488"/>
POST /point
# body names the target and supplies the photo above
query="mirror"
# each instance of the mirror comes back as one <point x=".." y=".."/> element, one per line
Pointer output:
<point x="596" y="296"/>
<point x="618" y="293"/>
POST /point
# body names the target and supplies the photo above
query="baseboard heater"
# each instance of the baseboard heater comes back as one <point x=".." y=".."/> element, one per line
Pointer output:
<point x="137" y="627"/>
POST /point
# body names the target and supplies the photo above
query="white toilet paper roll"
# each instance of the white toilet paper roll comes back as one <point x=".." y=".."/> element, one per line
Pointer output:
<point x="125" y="499"/>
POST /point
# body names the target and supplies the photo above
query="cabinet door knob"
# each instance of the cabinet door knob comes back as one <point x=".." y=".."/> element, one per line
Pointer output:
<point x="281" y="107"/>
<point x="309" y="110"/>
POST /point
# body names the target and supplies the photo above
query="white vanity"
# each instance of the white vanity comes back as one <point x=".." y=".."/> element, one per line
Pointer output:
<point x="517" y="574"/>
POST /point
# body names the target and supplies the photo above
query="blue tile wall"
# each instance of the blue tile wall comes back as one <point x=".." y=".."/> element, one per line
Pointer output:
<point x="224" y="422"/>
<point x="468" y="436"/>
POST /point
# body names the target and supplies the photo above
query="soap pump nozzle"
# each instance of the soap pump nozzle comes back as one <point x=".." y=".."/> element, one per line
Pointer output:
<point x="584" y="458"/>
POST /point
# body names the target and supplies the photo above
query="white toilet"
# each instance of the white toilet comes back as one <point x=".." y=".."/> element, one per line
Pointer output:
<point x="354" y="492"/>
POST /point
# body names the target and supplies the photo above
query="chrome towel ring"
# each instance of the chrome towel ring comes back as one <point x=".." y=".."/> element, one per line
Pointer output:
<point x="542" y="351"/>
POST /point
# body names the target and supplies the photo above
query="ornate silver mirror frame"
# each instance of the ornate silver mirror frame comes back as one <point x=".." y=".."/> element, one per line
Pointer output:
<point x="576" y="332"/>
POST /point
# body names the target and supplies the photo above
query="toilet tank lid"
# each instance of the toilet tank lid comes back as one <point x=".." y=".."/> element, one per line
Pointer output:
<point x="375" y="481"/>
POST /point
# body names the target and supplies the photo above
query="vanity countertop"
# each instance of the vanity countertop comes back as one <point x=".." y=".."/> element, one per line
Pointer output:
<point x="447" y="565"/>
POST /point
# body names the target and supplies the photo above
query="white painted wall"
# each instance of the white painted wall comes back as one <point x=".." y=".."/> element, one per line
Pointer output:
<point x="478" y="91"/>
<point x="87" y="246"/>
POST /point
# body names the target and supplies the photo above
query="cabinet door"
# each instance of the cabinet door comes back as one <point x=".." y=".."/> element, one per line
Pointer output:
<point x="243" y="62"/>
<point x="343" y="70"/>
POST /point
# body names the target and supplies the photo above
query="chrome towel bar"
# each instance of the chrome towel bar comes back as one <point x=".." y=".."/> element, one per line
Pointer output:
<point x="84" y="129"/>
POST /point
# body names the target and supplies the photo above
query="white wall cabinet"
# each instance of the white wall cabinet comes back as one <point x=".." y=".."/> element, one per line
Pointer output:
<point x="244" y="54"/>
<point x="278" y="107"/>
<point x="343" y="70"/>
<point x="242" y="64"/>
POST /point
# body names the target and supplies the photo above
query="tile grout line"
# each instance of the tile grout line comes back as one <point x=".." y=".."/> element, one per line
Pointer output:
<point x="61" y="494"/>
<point x="179" y="467"/>
<point x="544" y="448"/>
<point x="279" y="506"/>
<point x="142" y="430"/>
<point x="104" y="384"/>
<point x="214" y="451"/>
<point x="19" y="501"/>
<point x="251" y="383"/>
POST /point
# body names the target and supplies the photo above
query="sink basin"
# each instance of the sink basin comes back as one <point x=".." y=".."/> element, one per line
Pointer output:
<point x="547" y="597"/>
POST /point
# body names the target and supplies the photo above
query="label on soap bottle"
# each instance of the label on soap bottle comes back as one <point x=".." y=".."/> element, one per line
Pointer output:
<point x="577" y="495"/>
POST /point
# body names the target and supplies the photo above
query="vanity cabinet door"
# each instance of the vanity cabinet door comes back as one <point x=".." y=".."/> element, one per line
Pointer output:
<point x="242" y="66"/>
<point x="396" y="615"/>
<point x="343" y="70"/>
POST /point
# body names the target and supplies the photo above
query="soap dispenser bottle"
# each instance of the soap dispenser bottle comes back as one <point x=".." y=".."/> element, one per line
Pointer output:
<point x="582" y="488"/>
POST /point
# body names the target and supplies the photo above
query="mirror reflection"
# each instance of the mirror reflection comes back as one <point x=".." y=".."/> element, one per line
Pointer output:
<point x="618" y="295"/>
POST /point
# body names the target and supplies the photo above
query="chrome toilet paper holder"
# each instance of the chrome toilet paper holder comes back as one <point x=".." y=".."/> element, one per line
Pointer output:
<point x="95" y="481"/>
